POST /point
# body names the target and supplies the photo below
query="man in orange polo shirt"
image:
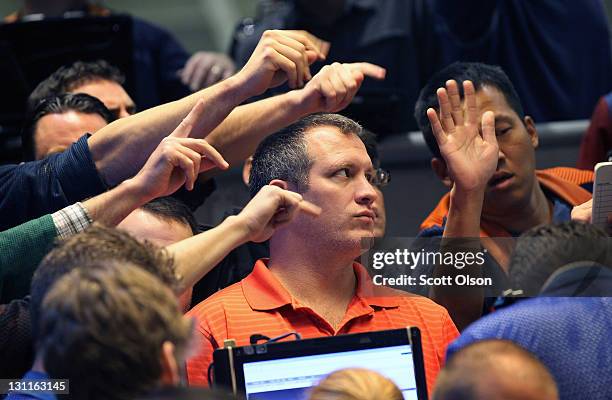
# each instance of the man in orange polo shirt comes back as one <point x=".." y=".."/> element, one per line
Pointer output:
<point x="310" y="284"/>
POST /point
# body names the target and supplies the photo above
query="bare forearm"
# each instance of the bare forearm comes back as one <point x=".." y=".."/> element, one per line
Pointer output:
<point x="461" y="234"/>
<point x="196" y="256"/>
<point x="464" y="213"/>
<point x="247" y="125"/>
<point x="120" y="149"/>
<point x="112" y="207"/>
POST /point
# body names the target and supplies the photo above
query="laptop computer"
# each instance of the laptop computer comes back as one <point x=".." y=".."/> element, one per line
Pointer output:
<point x="286" y="370"/>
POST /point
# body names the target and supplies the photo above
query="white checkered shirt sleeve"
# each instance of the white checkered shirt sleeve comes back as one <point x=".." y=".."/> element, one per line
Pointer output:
<point x="71" y="220"/>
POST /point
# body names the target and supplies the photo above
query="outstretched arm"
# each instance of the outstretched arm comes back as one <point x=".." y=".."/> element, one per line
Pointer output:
<point x="270" y="208"/>
<point x="331" y="90"/>
<point x="120" y="149"/>
<point x="177" y="161"/>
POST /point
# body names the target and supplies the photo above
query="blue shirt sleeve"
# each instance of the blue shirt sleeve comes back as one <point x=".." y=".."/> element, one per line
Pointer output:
<point x="32" y="189"/>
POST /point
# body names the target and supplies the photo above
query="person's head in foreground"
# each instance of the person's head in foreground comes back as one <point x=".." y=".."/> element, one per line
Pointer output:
<point x="59" y="121"/>
<point x="543" y="250"/>
<point x="323" y="158"/>
<point x="494" y="370"/>
<point x="114" y="330"/>
<point x="94" y="244"/>
<point x="355" y="384"/>
<point x="98" y="79"/>
<point x="514" y="183"/>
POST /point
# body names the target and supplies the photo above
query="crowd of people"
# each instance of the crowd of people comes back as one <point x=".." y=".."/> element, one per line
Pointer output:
<point x="108" y="280"/>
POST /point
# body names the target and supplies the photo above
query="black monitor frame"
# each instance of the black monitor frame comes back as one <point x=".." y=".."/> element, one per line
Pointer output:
<point x="228" y="362"/>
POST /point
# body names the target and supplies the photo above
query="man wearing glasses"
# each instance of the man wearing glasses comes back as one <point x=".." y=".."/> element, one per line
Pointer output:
<point x="310" y="283"/>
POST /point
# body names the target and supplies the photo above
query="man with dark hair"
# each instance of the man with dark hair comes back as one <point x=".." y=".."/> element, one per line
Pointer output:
<point x="495" y="369"/>
<point x="169" y="213"/>
<point x="484" y="151"/>
<point x="239" y="262"/>
<point x="163" y="221"/>
<point x="113" y="330"/>
<point x="58" y="122"/>
<point x="23" y="247"/>
<point x="118" y="150"/>
<point x="98" y="79"/>
<point x="172" y="209"/>
<point x="311" y="283"/>
<point x="543" y="250"/>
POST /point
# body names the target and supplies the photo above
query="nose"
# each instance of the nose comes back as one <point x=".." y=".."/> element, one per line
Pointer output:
<point x="501" y="157"/>
<point x="365" y="192"/>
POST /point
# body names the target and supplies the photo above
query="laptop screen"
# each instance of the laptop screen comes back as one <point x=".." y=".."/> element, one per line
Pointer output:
<point x="290" y="378"/>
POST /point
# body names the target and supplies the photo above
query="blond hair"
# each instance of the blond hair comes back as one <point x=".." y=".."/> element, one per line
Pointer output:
<point x="356" y="384"/>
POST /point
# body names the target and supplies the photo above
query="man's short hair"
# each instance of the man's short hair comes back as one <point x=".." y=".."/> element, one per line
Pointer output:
<point x="544" y="249"/>
<point x="283" y="155"/>
<point x="474" y="365"/>
<point x="172" y="210"/>
<point x="80" y="102"/>
<point x="103" y="326"/>
<point x="370" y="141"/>
<point x="480" y="74"/>
<point x="94" y="244"/>
<point x="68" y="78"/>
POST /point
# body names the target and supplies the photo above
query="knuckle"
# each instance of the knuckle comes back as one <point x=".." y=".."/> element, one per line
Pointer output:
<point x="268" y="53"/>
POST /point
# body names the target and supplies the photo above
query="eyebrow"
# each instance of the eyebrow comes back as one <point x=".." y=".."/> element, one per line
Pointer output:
<point x="504" y="119"/>
<point x="349" y="164"/>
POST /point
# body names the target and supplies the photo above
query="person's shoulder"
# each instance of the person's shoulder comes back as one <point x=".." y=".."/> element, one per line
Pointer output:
<point x="573" y="175"/>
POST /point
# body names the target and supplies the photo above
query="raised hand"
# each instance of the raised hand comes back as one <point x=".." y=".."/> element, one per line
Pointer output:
<point x="334" y="87"/>
<point x="281" y="56"/>
<point x="270" y="208"/>
<point x="468" y="146"/>
<point x="178" y="160"/>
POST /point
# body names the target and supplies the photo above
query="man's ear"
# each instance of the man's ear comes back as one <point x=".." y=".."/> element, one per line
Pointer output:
<point x="246" y="170"/>
<point x="532" y="131"/>
<point x="170" y="372"/>
<point x="439" y="167"/>
<point x="280" y="183"/>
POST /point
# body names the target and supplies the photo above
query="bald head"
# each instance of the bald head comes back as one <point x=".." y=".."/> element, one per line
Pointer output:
<point x="495" y="370"/>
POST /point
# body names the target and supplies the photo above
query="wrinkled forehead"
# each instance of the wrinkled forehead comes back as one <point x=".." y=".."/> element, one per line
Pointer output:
<point x="327" y="145"/>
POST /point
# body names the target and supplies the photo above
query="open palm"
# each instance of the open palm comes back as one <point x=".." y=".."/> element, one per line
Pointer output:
<point x="471" y="156"/>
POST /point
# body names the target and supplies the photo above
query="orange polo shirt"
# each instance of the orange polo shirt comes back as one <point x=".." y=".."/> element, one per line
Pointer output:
<point x="260" y="304"/>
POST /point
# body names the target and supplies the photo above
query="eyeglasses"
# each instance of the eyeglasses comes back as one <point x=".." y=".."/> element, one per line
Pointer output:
<point x="380" y="178"/>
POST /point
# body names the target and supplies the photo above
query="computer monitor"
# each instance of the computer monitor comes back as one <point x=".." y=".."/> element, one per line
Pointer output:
<point x="286" y="370"/>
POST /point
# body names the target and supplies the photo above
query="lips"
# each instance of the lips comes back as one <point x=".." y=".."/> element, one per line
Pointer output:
<point x="499" y="177"/>
<point x="366" y="214"/>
